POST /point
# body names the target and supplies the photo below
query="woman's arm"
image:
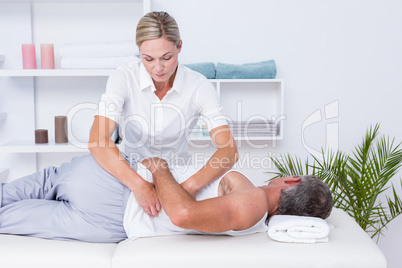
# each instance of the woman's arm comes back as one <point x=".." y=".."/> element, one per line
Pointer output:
<point x="108" y="156"/>
<point x="225" y="156"/>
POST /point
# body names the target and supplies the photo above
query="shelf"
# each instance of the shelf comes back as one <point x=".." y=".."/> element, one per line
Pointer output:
<point x="239" y="106"/>
<point x="25" y="146"/>
<point x="3" y="173"/>
<point x="104" y="72"/>
<point x="55" y="72"/>
<point x="246" y="80"/>
<point x="3" y="116"/>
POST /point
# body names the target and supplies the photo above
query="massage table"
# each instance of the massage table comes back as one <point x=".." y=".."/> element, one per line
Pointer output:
<point x="348" y="246"/>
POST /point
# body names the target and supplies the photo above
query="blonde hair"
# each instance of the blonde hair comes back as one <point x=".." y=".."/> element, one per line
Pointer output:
<point x="154" y="25"/>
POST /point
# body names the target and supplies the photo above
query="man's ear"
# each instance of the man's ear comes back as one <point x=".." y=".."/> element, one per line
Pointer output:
<point x="292" y="181"/>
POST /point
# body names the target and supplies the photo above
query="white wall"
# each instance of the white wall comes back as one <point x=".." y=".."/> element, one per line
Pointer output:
<point x="326" y="51"/>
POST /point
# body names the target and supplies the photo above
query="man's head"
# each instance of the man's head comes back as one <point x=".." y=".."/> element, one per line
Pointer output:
<point x="310" y="196"/>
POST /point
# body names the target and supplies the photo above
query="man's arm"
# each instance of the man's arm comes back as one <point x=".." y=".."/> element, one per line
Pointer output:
<point x="240" y="209"/>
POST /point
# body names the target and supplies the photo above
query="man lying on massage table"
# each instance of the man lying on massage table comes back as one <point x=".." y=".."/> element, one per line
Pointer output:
<point x="81" y="201"/>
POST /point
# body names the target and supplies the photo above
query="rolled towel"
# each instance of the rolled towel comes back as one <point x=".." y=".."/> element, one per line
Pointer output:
<point x="258" y="70"/>
<point x="298" y="229"/>
<point x="205" y="68"/>
<point x="95" y="63"/>
<point x="99" y="50"/>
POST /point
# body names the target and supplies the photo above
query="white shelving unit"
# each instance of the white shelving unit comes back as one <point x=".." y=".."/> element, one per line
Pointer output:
<point x="242" y="99"/>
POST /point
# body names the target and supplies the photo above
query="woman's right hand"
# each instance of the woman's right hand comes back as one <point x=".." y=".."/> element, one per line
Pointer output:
<point x="147" y="199"/>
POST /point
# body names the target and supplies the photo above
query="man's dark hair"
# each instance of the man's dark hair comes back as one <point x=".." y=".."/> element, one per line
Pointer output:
<point x="310" y="197"/>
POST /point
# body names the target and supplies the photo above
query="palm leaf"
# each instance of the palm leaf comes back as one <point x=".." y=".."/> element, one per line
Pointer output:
<point x="289" y="166"/>
<point x="395" y="209"/>
<point x="357" y="180"/>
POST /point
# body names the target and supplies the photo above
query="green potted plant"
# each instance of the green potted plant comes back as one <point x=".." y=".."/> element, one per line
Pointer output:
<point x="357" y="180"/>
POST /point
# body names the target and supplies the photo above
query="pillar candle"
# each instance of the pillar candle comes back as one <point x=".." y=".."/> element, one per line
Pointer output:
<point x="41" y="136"/>
<point x="60" y="129"/>
<point x="47" y="56"/>
<point x="28" y="56"/>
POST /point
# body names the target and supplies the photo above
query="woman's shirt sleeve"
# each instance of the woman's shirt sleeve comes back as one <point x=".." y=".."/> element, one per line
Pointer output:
<point x="112" y="101"/>
<point x="210" y="106"/>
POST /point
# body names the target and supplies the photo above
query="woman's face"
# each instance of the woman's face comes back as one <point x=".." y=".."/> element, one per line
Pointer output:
<point x="160" y="58"/>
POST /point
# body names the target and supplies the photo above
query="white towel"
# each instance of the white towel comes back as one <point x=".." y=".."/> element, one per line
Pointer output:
<point x="298" y="229"/>
<point x="99" y="50"/>
<point x="95" y="63"/>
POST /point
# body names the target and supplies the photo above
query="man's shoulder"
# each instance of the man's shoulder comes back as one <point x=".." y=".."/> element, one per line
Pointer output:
<point x="234" y="181"/>
<point x="246" y="203"/>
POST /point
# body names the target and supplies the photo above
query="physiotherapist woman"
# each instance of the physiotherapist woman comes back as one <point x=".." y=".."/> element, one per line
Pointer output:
<point x="154" y="102"/>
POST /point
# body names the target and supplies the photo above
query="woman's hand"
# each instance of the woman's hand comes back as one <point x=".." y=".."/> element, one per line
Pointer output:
<point x="145" y="194"/>
<point x="147" y="198"/>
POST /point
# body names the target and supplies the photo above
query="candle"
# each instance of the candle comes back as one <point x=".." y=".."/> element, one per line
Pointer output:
<point x="41" y="136"/>
<point x="60" y="129"/>
<point x="47" y="56"/>
<point x="28" y="56"/>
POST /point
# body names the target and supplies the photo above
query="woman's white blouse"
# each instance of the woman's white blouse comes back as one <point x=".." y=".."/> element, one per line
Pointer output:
<point x="152" y="127"/>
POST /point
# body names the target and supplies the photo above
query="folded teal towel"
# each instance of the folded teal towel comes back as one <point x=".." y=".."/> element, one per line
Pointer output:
<point x="258" y="70"/>
<point x="205" y="68"/>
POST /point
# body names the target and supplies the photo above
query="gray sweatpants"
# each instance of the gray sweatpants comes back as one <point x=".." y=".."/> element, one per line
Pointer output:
<point x="77" y="201"/>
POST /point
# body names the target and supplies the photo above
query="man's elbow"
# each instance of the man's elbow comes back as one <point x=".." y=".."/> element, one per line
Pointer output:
<point x="181" y="217"/>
